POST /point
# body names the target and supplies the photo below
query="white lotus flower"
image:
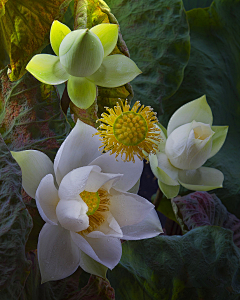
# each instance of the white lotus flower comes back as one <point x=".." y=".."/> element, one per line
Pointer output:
<point x="190" y="139"/>
<point x="83" y="198"/>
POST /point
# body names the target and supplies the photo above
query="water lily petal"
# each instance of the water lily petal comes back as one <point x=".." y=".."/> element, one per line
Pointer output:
<point x="108" y="35"/>
<point x="74" y="182"/>
<point x="81" y="91"/>
<point x="97" y="179"/>
<point x="91" y="266"/>
<point x="218" y="138"/>
<point x="34" y="165"/>
<point x="197" y="110"/>
<point x="58" y="256"/>
<point x="72" y="215"/>
<point x="163" y="169"/>
<point x="128" y="209"/>
<point x="78" y="149"/>
<point x="58" y="32"/>
<point x="105" y="250"/>
<point x="109" y="227"/>
<point x="81" y="53"/>
<point x="170" y="191"/>
<point x="131" y="171"/>
<point x="147" y="228"/>
<point x="135" y="188"/>
<point x="115" y="70"/>
<point x="202" y="179"/>
<point x="47" y="69"/>
<point x="47" y="199"/>
<point x="184" y="150"/>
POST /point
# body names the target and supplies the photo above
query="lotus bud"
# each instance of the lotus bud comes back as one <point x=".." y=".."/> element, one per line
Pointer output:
<point x="189" y="146"/>
<point x="81" y="53"/>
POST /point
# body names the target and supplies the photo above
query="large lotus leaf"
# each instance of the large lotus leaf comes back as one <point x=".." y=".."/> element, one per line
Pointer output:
<point x="157" y="36"/>
<point x="30" y="116"/>
<point x="202" y="264"/>
<point x="200" y="209"/>
<point x="80" y="285"/>
<point x="24" y="29"/>
<point x="191" y="4"/>
<point x="15" y="225"/>
<point x="214" y="69"/>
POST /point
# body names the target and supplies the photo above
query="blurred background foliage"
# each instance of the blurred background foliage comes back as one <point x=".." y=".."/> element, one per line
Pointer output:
<point x="185" y="49"/>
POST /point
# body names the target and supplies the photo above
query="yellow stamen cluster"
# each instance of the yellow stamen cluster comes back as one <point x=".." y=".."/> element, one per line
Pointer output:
<point x="129" y="131"/>
<point x="96" y="218"/>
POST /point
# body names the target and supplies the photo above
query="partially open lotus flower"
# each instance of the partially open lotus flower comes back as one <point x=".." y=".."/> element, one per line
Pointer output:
<point x="82" y="60"/>
<point x="190" y="139"/>
<point x="85" y="200"/>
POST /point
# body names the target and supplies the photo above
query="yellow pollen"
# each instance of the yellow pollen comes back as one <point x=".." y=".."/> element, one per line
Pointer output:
<point x="129" y="130"/>
<point x="139" y="131"/>
<point x="98" y="217"/>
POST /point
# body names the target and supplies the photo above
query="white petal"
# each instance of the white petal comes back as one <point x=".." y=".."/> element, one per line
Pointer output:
<point x="105" y="250"/>
<point x="131" y="171"/>
<point x="58" y="256"/>
<point x="47" y="199"/>
<point x="197" y="110"/>
<point x="92" y="266"/>
<point x="202" y="179"/>
<point x="97" y="179"/>
<point x="184" y="150"/>
<point x="163" y="169"/>
<point x="34" y="165"/>
<point x="128" y="209"/>
<point x="78" y="150"/>
<point x="135" y="188"/>
<point x="147" y="228"/>
<point x="74" y="182"/>
<point x="108" y="228"/>
<point x="72" y="214"/>
<point x="170" y="191"/>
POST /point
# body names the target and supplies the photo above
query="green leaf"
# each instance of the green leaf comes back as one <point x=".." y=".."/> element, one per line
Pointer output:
<point x="80" y="285"/>
<point x="157" y="35"/>
<point x="165" y="207"/>
<point x="202" y="264"/>
<point x="191" y="4"/>
<point x="24" y="29"/>
<point x="30" y="116"/>
<point x="214" y="70"/>
<point x="15" y="226"/>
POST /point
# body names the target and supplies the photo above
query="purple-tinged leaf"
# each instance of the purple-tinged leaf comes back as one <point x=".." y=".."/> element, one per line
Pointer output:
<point x="201" y="209"/>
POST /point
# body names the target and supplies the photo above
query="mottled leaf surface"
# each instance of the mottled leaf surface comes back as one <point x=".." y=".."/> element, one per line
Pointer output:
<point x="202" y="264"/>
<point x="80" y="285"/>
<point x="157" y="36"/>
<point x="201" y="209"/>
<point x="24" y="29"/>
<point x="15" y="226"/>
<point x="191" y="4"/>
<point x="30" y="115"/>
<point x="214" y="69"/>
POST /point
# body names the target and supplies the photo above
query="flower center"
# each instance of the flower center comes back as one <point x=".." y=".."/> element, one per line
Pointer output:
<point x="98" y="204"/>
<point x="130" y="128"/>
<point x="92" y="200"/>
